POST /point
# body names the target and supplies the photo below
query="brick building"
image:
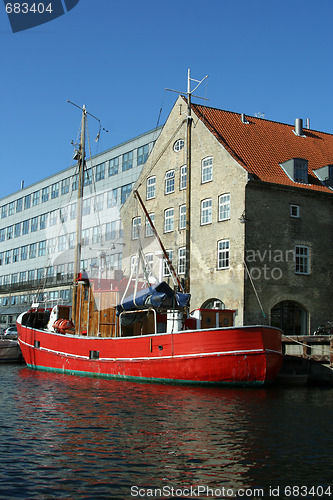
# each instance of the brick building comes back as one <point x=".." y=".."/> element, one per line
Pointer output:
<point x="261" y="216"/>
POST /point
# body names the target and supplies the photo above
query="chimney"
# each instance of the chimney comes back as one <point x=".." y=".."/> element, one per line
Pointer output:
<point x="299" y="126"/>
<point x="22" y="184"/>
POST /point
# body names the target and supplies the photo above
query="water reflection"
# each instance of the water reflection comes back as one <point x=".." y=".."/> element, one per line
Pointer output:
<point x="72" y="437"/>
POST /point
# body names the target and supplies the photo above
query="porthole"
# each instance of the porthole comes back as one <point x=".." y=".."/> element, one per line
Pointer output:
<point x="178" y="145"/>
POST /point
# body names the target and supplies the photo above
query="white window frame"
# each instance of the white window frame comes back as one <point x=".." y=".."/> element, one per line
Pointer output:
<point x="166" y="269"/>
<point x="169" y="216"/>
<point x="183" y="177"/>
<point x="182" y="217"/>
<point x="178" y="145"/>
<point x="169" y="182"/>
<point x="224" y="207"/>
<point x="207" y="169"/>
<point x="181" y="260"/>
<point x="136" y="225"/>
<point x="206" y="212"/>
<point x="149" y="231"/>
<point x="223" y="254"/>
<point x="294" y="211"/>
<point x="151" y="187"/>
<point x="302" y="259"/>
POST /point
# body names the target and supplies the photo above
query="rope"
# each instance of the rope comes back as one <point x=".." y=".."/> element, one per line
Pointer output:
<point x="254" y="288"/>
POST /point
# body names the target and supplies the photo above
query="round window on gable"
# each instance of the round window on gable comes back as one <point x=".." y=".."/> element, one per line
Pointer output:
<point x="178" y="145"/>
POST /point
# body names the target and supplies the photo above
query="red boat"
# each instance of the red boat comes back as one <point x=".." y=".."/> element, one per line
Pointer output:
<point x="153" y="347"/>
<point x="149" y="336"/>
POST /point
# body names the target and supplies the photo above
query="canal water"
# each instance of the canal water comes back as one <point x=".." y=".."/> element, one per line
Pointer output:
<point x="71" y="437"/>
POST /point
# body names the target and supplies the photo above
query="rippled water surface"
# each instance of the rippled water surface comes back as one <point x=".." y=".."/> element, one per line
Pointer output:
<point x="72" y="437"/>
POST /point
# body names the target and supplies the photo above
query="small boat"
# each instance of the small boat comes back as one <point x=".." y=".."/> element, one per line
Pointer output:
<point x="10" y="351"/>
<point x="149" y="335"/>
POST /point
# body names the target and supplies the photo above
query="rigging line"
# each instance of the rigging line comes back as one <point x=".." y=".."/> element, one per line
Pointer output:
<point x="254" y="288"/>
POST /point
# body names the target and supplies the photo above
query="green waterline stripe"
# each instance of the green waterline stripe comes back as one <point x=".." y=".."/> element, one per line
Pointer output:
<point x="130" y="378"/>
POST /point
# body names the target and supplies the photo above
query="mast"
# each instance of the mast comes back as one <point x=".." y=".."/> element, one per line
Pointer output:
<point x="78" y="244"/>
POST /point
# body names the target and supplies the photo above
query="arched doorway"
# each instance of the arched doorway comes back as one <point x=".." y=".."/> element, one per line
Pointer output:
<point x="291" y="317"/>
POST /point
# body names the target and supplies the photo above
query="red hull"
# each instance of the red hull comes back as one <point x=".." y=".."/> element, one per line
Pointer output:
<point x="243" y="355"/>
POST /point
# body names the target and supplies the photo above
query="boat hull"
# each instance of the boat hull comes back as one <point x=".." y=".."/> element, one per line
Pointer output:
<point x="10" y="351"/>
<point x="244" y="355"/>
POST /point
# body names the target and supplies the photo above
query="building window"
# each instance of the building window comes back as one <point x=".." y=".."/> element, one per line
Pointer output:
<point x="85" y="237"/>
<point x="168" y="220"/>
<point x="71" y="240"/>
<point x="300" y="170"/>
<point x="151" y="187"/>
<point x="223" y="254"/>
<point x="35" y="198"/>
<point x="23" y="278"/>
<point x="2" y="234"/>
<point x="63" y="214"/>
<point x="24" y="252"/>
<point x="42" y="248"/>
<point x="96" y="234"/>
<point x="73" y="211"/>
<point x="62" y="243"/>
<point x="98" y="203"/>
<point x="53" y="217"/>
<point x="65" y="186"/>
<point x="55" y="190"/>
<point x="19" y="205"/>
<point x="294" y="211"/>
<point x="100" y="172"/>
<point x="127" y="161"/>
<point x="45" y="194"/>
<point x="166" y="267"/>
<point x="8" y="256"/>
<point x="149" y="229"/>
<point x="75" y="182"/>
<point x="169" y="181"/>
<point x="32" y="250"/>
<point x="181" y="260"/>
<point x="10" y="231"/>
<point x="110" y="231"/>
<point x="224" y="207"/>
<point x="34" y="224"/>
<point x="17" y="229"/>
<point x="113" y="166"/>
<point x="125" y="192"/>
<point x="142" y="154"/>
<point x="43" y="221"/>
<point x="27" y="201"/>
<point x="31" y="275"/>
<point x="25" y="226"/>
<point x="16" y="254"/>
<point x="302" y="259"/>
<point x="4" y="211"/>
<point x="136" y="225"/>
<point x="206" y="211"/>
<point x="11" y="208"/>
<point x="183" y="177"/>
<point x="87" y="178"/>
<point x="182" y="217"/>
<point x="86" y="207"/>
<point x="149" y="260"/>
<point x="207" y="170"/>
<point x="178" y="145"/>
<point x="112" y="198"/>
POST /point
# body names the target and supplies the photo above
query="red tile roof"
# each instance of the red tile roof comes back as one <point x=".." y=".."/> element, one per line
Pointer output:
<point x="262" y="145"/>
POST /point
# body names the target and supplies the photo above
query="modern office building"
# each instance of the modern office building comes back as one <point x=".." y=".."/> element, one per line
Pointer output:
<point x="37" y="227"/>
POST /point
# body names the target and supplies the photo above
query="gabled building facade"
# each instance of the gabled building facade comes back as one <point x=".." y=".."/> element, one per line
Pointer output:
<point x="261" y="216"/>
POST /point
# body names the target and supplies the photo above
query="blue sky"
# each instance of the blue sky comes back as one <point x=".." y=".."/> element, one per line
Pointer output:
<point x="117" y="57"/>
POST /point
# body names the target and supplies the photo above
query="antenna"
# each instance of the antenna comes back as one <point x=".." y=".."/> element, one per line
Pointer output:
<point x="87" y="113"/>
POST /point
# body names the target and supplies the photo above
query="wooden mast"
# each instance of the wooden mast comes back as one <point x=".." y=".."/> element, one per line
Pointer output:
<point x="78" y="243"/>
